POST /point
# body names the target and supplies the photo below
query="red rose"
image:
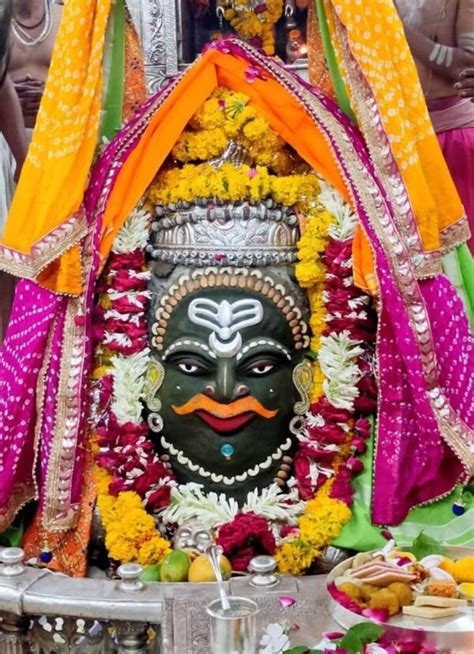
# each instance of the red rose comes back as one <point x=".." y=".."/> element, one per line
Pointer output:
<point x="248" y="535"/>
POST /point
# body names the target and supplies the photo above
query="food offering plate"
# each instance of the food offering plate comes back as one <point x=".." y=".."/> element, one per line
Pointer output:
<point x="452" y="634"/>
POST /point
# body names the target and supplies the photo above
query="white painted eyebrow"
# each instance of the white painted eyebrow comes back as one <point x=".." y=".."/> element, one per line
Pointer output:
<point x="263" y="341"/>
<point x="186" y="342"/>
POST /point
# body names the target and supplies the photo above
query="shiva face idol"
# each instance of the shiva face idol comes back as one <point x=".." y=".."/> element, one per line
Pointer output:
<point x="228" y="378"/>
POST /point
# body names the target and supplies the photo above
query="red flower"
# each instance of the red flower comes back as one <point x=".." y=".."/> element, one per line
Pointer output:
<point x="118" y="486"/>
<point x="365" y="405"/>
<point x="130" y="261"/>
<point x="150" y="477"/>
<point x="363" y="427"/>
<point x="248" y="535"/>
<point x="354" y="464"/>
<point x="159" y="498"/>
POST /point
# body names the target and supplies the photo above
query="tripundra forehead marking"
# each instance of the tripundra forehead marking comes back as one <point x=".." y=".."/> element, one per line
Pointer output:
<point x="225" y="320"/>
<point x="244" y="278"/>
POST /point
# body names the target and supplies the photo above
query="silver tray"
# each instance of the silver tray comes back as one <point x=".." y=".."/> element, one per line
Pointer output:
<point x="455" y="634"/>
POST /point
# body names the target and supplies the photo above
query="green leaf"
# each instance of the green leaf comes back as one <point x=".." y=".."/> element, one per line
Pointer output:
<point x="423" y="545"/>
<point x="12" y="537"/>
<point x="312" y="355"/>
<point x="367" y="632"/>
<point x="299" y="649"/>
<point x="352" y="643"/>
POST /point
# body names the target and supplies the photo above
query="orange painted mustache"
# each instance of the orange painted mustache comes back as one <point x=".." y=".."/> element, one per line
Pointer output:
<point x="242" y="405"/>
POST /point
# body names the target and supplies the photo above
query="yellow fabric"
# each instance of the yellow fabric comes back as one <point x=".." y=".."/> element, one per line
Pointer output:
<point x="55" y="173"/>
<point x="377" y="42"/>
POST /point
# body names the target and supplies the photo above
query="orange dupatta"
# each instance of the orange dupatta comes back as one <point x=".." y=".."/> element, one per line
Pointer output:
<point x="45" y="221"/>
<point x="283" y="112"/>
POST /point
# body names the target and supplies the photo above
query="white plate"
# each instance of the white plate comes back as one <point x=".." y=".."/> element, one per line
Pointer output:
<point x="455" y="634"/>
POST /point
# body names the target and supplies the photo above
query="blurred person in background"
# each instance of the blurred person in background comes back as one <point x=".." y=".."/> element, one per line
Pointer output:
<point x="441" y="37"/>
<point x="34" y="27"/>
<point x="465" y="85"/>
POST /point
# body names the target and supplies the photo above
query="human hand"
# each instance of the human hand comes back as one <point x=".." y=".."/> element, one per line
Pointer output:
<point x="465" y="86"/>
<point x="462" y="62"/>
<point x="29" y="91"/>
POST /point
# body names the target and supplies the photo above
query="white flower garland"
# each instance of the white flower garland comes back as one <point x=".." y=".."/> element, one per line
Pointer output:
<point x="188" y="502"/>
<point x="128" y="374"/>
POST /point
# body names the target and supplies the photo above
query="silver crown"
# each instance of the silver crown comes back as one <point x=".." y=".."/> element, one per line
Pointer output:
<point x="211" y="232"/>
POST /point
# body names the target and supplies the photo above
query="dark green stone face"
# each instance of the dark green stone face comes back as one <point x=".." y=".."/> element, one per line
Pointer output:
<point x="227" y="396"/>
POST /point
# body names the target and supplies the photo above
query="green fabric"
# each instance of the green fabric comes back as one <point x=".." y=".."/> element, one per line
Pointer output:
<point x="437" y="519"/>
<point x="114" y="70"/>
<point x="333" y="67"/>
<point x="458" y="266"/>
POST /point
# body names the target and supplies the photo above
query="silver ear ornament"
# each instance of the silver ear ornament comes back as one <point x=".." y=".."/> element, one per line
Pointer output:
<point x="303" y="381"/>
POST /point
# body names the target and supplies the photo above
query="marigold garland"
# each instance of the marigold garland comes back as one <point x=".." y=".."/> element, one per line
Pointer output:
<point x="321" y="523"/>
<point x="130" y="531"/>
<point x="227" y="116"/>
<point x="254" y="22"/>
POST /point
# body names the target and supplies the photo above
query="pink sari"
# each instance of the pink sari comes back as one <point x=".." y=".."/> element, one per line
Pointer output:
<point x="453" y="122"/>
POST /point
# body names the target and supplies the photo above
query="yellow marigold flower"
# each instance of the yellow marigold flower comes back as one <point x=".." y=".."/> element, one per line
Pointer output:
<point x="153" y="551"/>
<point x="100" y="372"/>
<point x="120" y="548"/>
<point x="294" y="557"/>
<point x="318" y="379"/>
<point x="200" y="146"/>
<point x="128" y="501"/>
<point x="209" y="117"/>
<point x="307" y="272"/>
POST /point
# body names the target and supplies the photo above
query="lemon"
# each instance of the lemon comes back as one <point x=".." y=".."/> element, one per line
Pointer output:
<point x="201" y="569"/>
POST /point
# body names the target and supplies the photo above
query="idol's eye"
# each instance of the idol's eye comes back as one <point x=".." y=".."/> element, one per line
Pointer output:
<point x="261" y="368"/>
<point x="189" y="367"/>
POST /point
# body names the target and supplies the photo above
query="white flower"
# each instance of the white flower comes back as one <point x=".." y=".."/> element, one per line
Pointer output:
<point x="326" y="644"/>
<point x="373" y="648"/>
<point x="432" y="563"/>
<point x="274" y="640"/>
<point x="337" y="358"/>
<point x="188" y="502"/>
<point x="134" y="234"/>
<point x="346" y="220"/>
<point x="129" y="381"/>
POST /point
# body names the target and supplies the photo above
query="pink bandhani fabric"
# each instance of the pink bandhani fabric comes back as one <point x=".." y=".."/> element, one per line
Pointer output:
<point x="413" y="463"/>
<point x="453" y="121"/>
<point x="35" y="312"/>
